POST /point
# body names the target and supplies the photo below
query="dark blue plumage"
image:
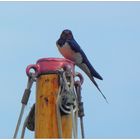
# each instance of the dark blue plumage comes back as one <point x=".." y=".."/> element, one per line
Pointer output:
<point x="74" y="46"/>
<point x="70" y="49"/>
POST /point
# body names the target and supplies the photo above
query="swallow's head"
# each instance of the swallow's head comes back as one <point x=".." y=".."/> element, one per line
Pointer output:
<point x="66" y="35"/>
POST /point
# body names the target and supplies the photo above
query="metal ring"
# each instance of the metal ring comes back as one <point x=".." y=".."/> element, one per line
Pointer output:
<point x="35" y="67"/>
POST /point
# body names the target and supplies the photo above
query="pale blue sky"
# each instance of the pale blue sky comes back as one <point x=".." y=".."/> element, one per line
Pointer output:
<point x="108" y="32"/>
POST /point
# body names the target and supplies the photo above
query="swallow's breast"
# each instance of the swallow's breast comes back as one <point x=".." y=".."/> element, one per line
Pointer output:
<point x="70" y="54"/>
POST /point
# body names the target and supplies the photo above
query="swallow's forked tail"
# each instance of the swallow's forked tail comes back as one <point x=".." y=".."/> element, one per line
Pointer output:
<point x="94" y="82"/>
<point x="85" y="69"/>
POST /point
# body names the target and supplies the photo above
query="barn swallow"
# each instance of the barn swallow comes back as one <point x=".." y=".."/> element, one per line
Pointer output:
<point x="70" y="49"/>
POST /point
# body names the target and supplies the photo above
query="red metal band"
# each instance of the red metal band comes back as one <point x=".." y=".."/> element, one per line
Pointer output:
<point x="45" y="65"/>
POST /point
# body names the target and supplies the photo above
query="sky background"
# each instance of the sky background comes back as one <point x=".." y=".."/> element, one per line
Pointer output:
<point x="108" y="32"/>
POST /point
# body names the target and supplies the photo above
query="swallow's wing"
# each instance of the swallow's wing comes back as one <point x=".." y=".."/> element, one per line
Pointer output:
<point x="75" y="46"/>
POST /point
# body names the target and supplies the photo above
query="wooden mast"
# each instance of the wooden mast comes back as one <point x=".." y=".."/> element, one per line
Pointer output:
<point x="46" y="125"/>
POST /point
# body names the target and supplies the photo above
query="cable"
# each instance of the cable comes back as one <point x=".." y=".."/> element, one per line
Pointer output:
<point x="24" y="102"/>
<point x="19" y="121"/>
<point x="24" y="128"/>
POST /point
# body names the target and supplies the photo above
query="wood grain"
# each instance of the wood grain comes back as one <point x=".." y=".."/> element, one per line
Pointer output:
<point x="45" y="113"/>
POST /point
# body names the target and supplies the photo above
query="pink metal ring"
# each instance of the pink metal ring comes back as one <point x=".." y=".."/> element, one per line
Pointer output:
<point x="35" y="67"/>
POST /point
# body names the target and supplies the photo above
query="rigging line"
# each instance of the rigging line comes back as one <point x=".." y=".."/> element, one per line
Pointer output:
<point x="80" y="106"/>
<point x="24" y="102"/>
<point x="24" y="127"/>
<point x="19" y="121"/>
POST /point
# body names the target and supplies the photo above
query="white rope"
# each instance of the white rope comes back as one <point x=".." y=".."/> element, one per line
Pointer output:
<point x="74" y="115"/>
<point x="65" y="81"/>
<point x="68" y="87"/>
<point x="74" y="119"/>
<point x="73" y="124"/>
<point x="59" y="122"/>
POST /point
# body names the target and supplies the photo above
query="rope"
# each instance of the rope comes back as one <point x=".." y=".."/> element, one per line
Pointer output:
<point x="65" y="81"/>
<point x="74" y="115"/>
<point x="71" y="88"/>
<point x="59" y="114"/>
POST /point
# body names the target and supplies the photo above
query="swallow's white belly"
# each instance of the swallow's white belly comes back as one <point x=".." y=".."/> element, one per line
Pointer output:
<point x="68" y="53"/>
